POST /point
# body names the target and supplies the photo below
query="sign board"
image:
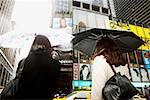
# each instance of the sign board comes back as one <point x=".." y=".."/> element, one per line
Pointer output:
<point x="75" y="71"/>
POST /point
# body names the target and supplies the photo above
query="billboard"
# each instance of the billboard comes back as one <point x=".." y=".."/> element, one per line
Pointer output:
<point x="82" y="76"/>
<point x="84" y="20"/>
<point x="142" y="32"/>
<point x="58" y="21"/>
<point x="64" y="24"/>
<point x="81" y="72"/>
<point x="85" y="71"/>
<point x="82" y="85"/>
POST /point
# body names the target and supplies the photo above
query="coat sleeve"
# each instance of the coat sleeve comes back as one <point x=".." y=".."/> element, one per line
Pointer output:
<point x="99" y="77"/>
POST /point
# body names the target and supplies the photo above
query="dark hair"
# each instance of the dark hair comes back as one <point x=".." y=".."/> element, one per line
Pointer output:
<point x="81" y="75"/>
<point x="42" y="42"/>
<point x="110" y="50"/>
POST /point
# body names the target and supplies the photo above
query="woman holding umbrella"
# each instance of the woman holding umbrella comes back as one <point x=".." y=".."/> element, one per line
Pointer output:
<point x="40" y="74"/>
<point x="106" y="53"/>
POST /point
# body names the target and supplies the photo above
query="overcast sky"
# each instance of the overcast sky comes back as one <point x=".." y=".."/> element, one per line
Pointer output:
<point x="32" y="14"/>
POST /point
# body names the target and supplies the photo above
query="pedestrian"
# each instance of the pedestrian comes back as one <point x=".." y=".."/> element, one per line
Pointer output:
<point x="40" y="75"/>
<point x="106" y="53"/>
<point x="84" y="73"/>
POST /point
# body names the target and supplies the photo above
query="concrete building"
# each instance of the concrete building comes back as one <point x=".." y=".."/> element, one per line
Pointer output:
<point x="6" y="8"/>
<point x="62" y="8"/>
<point x="6" y="55"/>
<point x="135" y="11"/>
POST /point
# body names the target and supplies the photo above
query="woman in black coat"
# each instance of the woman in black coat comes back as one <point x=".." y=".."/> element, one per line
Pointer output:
<point x="40" y="74"/>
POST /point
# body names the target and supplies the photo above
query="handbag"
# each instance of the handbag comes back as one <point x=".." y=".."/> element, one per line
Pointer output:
<point x="11" y="89"/>
<point x="118" y="87"/>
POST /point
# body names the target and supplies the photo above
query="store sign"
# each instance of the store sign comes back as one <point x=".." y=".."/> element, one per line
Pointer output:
<point x="66" y="61"/>
<point x="143" y="33"/>
<point x="82" y="85"/>
<point x="75" y="71"/>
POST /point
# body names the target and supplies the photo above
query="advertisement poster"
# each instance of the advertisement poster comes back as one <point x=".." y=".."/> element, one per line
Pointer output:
<point x="63" y="23"/>
<point x="144" y="74"/>
<point x="85" y="72"/>
<point x="146" y="58"/>
<point x="139" y="74"/>
<point x="135" y="74"/>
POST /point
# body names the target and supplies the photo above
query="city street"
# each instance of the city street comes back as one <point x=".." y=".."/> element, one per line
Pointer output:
<point x="67" y="49"/>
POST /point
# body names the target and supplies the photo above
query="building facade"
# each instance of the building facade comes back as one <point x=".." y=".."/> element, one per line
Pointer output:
<point x="6" y="55"/>
<point x="135" y="11"/>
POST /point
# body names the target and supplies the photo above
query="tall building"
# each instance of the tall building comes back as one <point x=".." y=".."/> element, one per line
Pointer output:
<point x="6" y="55"/>
<point x="6" y="8"/>
<point x="135" y="11"/>
<point x="62" y="8"/>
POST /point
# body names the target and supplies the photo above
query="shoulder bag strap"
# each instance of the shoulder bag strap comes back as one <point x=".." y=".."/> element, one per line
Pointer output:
<point x="113" y="69"/>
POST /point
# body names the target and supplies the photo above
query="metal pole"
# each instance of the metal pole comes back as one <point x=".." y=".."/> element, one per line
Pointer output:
<point x="78" y="67"/>
<point x="129" y="64"/>
<point x="136" y="58"/>
<point x="136" y="54"/>
<point x="128" y="58"/>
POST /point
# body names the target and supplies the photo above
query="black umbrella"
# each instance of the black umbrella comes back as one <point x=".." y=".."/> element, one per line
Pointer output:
<point x="86" y="41"/>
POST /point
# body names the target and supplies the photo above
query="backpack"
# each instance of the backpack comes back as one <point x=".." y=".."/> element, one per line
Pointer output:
<point x="11" y="89"/>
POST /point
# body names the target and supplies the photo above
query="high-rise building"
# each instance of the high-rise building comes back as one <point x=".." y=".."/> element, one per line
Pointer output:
<point x="6" y="55"/>
<point x="135" y="11"/>
<point x="6" y="9"/>
<point x="62" y="8"/>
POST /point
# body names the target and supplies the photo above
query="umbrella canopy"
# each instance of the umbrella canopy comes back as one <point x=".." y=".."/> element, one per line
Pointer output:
<point x="86" y="41"/>
<point x="18" y="39"/>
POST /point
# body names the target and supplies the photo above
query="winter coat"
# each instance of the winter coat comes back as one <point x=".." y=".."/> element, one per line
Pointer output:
<point x="40" y="76"/>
